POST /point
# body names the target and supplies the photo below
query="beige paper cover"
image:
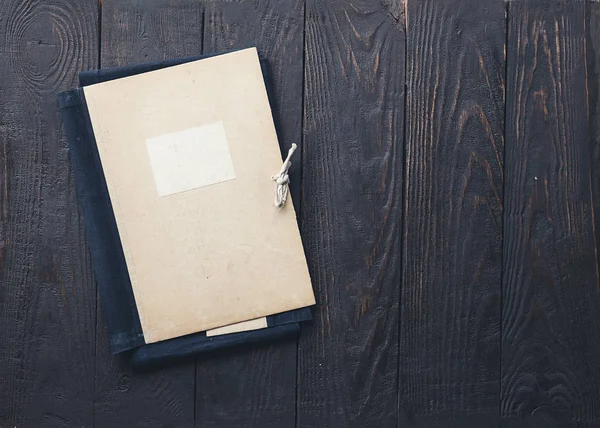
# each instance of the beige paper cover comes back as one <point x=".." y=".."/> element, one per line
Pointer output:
<point x="213" y="250"/>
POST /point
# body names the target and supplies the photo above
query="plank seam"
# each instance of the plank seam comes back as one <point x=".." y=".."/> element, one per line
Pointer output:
<point x="404" y="192"/>
<point x="96" y="308"/>
<point x="505" y="130"/>
<point x="299" y="215"/>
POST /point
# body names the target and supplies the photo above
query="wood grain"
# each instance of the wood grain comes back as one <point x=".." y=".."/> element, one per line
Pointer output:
<point x="488" y="265"/>
<point x="47" y="301"/>
<point x="593" y="73"/>
<point x="352" y="213"/>
<point x="253" y="387"/>
<point x="452" y="245"/>
<point x="256" y="387"/>
<point x="551" y="302"/>
<point x="135" y="32"/>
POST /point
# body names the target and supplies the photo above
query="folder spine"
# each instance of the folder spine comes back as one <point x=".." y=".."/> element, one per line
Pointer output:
<point x="108" y="260"/>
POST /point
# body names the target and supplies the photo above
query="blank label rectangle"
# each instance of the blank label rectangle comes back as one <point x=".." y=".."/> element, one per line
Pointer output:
<point x="190" y="159"/>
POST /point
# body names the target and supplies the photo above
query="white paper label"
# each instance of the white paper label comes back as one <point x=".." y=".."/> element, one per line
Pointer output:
<point x="190" y="159"/>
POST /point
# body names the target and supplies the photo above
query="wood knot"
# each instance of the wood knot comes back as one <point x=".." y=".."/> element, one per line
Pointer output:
<point x="46" y="42"/>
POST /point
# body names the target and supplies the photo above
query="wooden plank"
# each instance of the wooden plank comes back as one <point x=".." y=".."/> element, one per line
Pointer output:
<point x="257" y="386"/>
<point x="352" y="213"/>
<point x="135" y="32"/>
<point x="276" y="28"/>
<point x="254" y="387"/>
<point x="47" y="295"/>
<point x="452" y="245"/>
<point x="593" y="72"/>
<point x="551" y="301"/>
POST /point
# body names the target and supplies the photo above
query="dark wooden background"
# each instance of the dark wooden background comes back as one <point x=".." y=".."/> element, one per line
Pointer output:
<point x="449" y="179"/>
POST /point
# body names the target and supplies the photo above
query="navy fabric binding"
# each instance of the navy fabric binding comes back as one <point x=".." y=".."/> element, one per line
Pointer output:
<point x="108" y="260"/>
<point x="116" y="294"/>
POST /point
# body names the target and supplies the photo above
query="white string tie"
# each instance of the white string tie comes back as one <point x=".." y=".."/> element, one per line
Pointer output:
<point x="282" y="180"/>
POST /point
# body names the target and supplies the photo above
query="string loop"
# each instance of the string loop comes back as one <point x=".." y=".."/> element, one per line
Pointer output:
<point x="282" y="179"/>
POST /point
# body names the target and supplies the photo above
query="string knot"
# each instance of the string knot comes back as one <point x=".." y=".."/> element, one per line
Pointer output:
<point x="282" y="179"/>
